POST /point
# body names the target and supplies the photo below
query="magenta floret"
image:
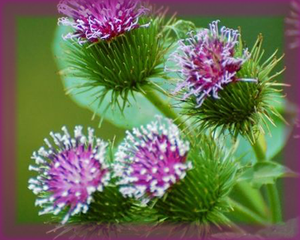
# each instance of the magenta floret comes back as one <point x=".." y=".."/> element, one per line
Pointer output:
<point x="95" y="20"/>
<point x="207" y="62"/>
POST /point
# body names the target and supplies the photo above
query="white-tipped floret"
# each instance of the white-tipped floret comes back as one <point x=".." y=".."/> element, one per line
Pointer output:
<point x="78" y="131"/>
<point x="91" y="190"/>
<point x="65" y="219"/>
<point x="91" y="135"/>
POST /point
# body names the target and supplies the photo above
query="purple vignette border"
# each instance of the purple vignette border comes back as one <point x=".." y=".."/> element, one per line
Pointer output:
<point x="10" y="9"/>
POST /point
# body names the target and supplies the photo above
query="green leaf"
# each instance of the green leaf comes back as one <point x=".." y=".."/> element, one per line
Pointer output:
<point x="276" y="138"/>
<point x="275" y="143"/>
<point x="181" y="28"/>
<point x="246" y="176"/>
<point x="266" y="173"/>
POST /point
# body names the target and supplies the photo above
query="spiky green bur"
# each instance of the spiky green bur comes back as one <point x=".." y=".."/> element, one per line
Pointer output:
<point x="200" y="198"/>
<point x="244" y="107"/>
<point x="121" y="66"/>
<point x="109" y="215"/>
<point x="108" y="207"/>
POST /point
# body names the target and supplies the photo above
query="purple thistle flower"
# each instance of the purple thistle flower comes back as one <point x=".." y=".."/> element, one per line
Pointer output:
<point x="69" y="174"/>
<point x="207" y="62"/>
<point x="95" y="20"/>
<point x="151" y="160"/>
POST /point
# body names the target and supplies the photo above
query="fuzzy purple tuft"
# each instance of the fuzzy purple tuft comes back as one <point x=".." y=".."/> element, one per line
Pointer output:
<point x="70" y="173"/>
<point x="151" y="160"/>
<point x="207" y="62"/>
<point x="95" y="20"/>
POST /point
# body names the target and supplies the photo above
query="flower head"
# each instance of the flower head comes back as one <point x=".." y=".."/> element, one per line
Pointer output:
<point x="244" y="108"/>
<point x="95" y="20"/>
<point x="207" y="62"/>
<point x="110" y="74"/>
<point x="151" y="160"/>
<point x="70" y="173"/>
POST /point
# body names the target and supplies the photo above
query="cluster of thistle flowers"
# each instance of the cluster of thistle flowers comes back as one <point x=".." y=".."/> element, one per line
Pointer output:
<point x="152" y="158"/>
<point x="149" y="162"/>
<point x="206" y="60"/>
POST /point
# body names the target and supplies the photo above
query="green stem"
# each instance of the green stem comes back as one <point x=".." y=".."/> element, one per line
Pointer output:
<point x="272" y="192"/>
<point x="246" y="213"/>
<point x="164" y="107"/>
<point x="273" y="195"/>
<point x="252" y="198"/>
<point x="259" y="148"/>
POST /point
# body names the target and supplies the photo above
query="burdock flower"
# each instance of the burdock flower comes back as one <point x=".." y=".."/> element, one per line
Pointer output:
<point x="151" y="160"/>
<point x="208" y="62"/>
<point x="70" y="173"/>
<point x="112" y="70"/>
<point x="225" y="88"/>
<point x="95" y="20"/>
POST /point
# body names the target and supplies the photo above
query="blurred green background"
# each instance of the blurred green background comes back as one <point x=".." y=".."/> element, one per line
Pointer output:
<point x="42" y="105"/>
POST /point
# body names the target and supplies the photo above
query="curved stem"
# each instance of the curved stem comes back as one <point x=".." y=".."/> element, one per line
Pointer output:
<point x="252" y="198"/>
<point x="246" y="213"/>
<point x="259" y="148"/>
<point x="273" y="195"/>
<point x="164" y="107"/>
<point x="272" y="192"/>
